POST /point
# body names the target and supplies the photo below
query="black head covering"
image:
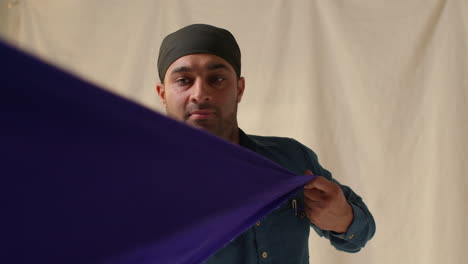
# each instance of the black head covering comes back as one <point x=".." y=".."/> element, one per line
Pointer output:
<point x="199" y="38"/>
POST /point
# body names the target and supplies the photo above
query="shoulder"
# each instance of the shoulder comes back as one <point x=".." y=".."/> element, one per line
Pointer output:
<point x="273" y="141"/>
<point x="285" y="144"/>
<point x="289" y="153"/>
<point x="283" y="150"/>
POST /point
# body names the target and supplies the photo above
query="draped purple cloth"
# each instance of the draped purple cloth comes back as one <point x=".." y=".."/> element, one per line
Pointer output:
<point x="89" y="177"/>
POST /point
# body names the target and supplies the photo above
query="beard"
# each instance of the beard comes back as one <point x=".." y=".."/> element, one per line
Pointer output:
<point x="220" y="125"/>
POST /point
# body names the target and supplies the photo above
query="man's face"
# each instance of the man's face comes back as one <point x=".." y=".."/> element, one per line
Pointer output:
<point x="203" y="90"/>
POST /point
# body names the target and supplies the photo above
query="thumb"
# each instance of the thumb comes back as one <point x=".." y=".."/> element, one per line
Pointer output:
<point x="308" y="172"/>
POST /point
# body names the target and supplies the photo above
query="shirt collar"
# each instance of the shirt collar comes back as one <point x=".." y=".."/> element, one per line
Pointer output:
<point x="246" y="142"/>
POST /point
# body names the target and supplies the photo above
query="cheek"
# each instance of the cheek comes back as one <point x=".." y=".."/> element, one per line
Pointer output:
<point x="175" y="104"/>
<point x="229" y="103"/>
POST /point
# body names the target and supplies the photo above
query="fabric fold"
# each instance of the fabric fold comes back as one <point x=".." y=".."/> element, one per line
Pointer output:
<point x="90" y="177"/>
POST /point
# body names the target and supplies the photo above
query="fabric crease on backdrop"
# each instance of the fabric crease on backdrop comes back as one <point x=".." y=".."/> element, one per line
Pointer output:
<point x="89" y="177"/>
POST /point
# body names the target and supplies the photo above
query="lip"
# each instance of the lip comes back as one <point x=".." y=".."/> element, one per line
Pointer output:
<point x="203" y="114"/>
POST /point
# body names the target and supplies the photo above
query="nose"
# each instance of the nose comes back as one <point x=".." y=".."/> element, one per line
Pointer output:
<point x="201" y="92"/>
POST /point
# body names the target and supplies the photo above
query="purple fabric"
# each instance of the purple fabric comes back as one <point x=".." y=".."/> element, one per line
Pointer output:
<point x="89" y="177"/>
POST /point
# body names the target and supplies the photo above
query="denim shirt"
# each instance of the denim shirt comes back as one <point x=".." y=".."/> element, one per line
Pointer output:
<point x="282" y="236"/>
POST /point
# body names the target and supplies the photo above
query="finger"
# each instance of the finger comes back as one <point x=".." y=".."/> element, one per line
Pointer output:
<point x="311" y="204"/>
<point x="312" y="211"/>
<point x="321" y="183"/>
<point x="314" y="194"/>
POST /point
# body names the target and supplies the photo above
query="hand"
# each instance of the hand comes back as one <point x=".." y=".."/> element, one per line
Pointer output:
<point x="326" y="206"/>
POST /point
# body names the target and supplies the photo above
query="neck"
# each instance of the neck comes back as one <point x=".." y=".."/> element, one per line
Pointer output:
<point x="233" y="135"/>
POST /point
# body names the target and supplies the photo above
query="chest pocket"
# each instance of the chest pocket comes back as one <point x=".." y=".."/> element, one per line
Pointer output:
<point x="294" y="206"/>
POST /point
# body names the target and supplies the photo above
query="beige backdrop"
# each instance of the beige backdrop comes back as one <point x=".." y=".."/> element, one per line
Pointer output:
<point x="377" y="88"/>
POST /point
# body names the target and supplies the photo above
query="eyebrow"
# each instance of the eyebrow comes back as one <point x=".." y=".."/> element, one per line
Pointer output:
<point x="216" y="66"/>
<point x="210" y="67"/>
<point x="181" y="69"/>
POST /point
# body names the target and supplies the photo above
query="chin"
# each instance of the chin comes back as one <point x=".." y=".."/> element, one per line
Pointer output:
<point x="207" y="126"/>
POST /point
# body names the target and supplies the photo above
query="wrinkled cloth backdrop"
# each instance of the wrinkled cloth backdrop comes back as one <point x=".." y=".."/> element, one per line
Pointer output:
<point x="377" y="88"/>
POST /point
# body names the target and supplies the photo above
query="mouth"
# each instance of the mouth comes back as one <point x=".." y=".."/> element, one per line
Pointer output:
<point x="202" y="114"/>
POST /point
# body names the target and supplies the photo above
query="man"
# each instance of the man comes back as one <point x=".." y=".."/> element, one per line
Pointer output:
<point x="201" y="85"/>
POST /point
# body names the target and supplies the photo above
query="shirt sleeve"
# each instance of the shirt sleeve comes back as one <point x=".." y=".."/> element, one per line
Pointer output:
<point x="361" y="230"/>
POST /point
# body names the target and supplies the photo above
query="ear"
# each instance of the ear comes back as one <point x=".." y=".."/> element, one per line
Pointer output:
<point x="240" y="88"/>
<point x="161" y="92"/>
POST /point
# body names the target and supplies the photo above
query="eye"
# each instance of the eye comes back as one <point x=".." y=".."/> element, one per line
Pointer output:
<point x="217" y="80"/>
<point x="182" y="81"/>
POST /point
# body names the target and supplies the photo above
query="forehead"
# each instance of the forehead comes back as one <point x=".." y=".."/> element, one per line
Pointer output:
<point x="198" y="62"/>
